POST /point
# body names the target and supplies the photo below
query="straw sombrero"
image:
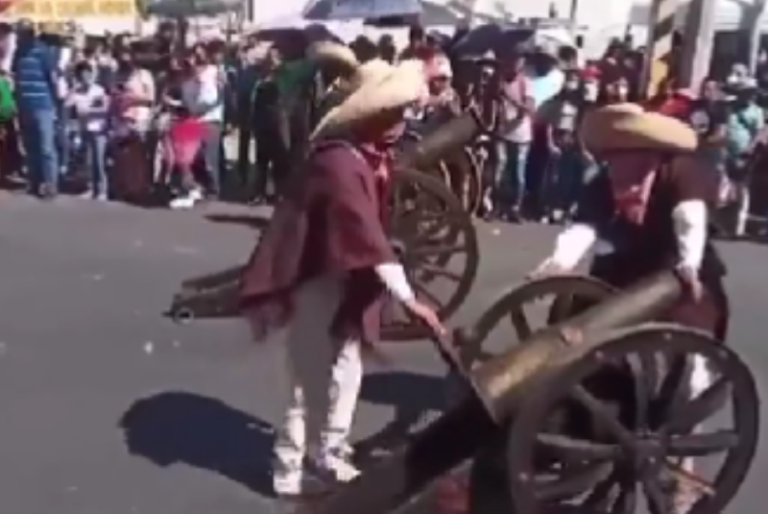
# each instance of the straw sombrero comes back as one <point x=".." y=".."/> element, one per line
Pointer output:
<point x="629" y="127"/>
<point x="379" y="90"/>
<point x="328" y="52"/>
<point x="373" y="70"/>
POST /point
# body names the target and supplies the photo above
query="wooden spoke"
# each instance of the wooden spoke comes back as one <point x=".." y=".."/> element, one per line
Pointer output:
<point x="599" y="499"/>
<point x="397" y="206"/>
<point x="440" y="223"/>
<point x="644" y="370"/>
<point x="603" y="416"/>
<point x="701" y="408"/>
<point x="560" y="310"/>
<point x="438" y="249"/>
<point x="702" y="445"/>
<point x="423" y="293"/>
<point x="521" y="325"/>
<point x="655" y="497"/>
<point x="570" y="450"/>
<point x="431" y="269"/>
<point x="626" y="503"/>
<point x="570" y="481"/>
<point x="689" y="480"/>
<point x="673" y="390"/>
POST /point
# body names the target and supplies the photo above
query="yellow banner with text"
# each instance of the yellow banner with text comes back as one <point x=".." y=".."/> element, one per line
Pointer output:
<point x="70" y="10"/>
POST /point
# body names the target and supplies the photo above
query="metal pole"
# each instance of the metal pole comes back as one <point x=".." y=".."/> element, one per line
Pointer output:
<point x="698" y="39"/>
<point x="757" y="17"/>
<point x="574" y="14"/>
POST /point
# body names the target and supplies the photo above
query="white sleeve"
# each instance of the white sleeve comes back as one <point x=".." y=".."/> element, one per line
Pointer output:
<point x="690" y="221"/>
<point x="393" y="276"/>
<point x="572" y="245"/>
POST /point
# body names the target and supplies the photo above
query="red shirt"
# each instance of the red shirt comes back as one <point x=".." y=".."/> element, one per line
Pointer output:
<point x="676" y="106"/>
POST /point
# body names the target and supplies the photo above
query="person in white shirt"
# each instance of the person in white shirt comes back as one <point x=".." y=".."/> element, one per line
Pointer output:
<point x="515" y="136"/>
<point x="137" y="94"/>
<point x="203" y="96"/>
<point x="7" y="49"/>
<point x="90" y="103"/>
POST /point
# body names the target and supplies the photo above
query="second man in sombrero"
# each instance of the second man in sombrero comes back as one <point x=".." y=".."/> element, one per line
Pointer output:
<point x="647" y="212"/>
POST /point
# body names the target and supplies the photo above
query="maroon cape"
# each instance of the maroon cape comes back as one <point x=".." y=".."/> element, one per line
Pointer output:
<point x="330" y="222"/>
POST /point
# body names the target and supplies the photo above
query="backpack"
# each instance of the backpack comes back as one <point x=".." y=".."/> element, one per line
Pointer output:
<point x="7" y="101"/>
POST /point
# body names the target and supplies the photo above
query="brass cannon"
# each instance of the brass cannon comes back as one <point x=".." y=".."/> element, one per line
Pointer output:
<point x="453" y="149"/>
<point x="585" y="415"/>
<point x="433" y="235"/>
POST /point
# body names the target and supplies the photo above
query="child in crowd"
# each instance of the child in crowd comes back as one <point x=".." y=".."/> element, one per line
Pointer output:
<point x="90" y="103"/>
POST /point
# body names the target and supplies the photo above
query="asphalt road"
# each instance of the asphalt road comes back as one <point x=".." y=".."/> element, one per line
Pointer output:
<point x="108" y="408"/>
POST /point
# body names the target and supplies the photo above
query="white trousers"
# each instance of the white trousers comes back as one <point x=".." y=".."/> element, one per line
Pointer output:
<point x="743" y="209"/>
<point x="324" y="380"/>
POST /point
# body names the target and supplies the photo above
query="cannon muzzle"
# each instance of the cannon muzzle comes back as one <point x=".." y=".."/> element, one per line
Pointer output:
<point x="216" y="295"/>
<point x="435" y="145"/>
<point x="500" y="382"/>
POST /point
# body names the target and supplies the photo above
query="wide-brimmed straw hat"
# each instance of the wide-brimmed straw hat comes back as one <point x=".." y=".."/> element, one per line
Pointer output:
<point x="379" y="91"/>
<point x="371" y="71"/>
<point x="329" y="52"/>
<point x="629" y="127"/>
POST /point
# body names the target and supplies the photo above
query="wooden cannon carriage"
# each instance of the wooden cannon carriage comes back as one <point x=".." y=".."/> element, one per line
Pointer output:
<point x="585" y="415"/>
<point x="460" y="169"/>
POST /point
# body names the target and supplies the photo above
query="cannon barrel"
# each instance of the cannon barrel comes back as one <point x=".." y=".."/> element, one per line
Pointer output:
<point x="435" y="145"/>
<point x="500" y="381"/>
<point x="450" y="441"/>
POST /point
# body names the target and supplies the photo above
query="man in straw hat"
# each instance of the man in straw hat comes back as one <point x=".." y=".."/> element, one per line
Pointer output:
<point x="320" y="270"/>
<point x="648" y="212"/>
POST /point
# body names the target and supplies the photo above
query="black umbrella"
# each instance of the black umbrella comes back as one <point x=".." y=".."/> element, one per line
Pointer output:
<point x="495" y="38"/>
<point x="362" y="9"/>
<point x="295" y="40"/>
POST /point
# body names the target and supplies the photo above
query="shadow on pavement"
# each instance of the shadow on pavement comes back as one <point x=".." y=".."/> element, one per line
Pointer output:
<point x="247" y="220"/>
<point x="414" y="396"/>
<point x="179" y="427"/>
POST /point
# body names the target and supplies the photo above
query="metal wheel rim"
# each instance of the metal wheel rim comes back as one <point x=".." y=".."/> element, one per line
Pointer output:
<point x="536" y="406"/>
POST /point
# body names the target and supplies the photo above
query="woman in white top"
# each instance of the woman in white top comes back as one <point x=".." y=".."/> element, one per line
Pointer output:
<point x="137" y="95"/>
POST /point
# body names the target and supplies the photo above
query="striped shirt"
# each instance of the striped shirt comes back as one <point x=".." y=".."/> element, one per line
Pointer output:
<point x="34" y="69"/>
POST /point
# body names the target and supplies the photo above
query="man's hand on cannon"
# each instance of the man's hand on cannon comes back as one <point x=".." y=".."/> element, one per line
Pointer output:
<point x="426" y="314"/>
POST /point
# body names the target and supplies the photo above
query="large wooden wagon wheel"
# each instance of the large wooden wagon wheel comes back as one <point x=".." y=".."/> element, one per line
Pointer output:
<point x="615" y="419"/>
<point x="557" y="298"/>
<point x="437" y="244"/>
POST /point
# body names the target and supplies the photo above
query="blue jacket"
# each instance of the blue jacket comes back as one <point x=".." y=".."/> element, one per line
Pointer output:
<point x="34" y="69"/>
